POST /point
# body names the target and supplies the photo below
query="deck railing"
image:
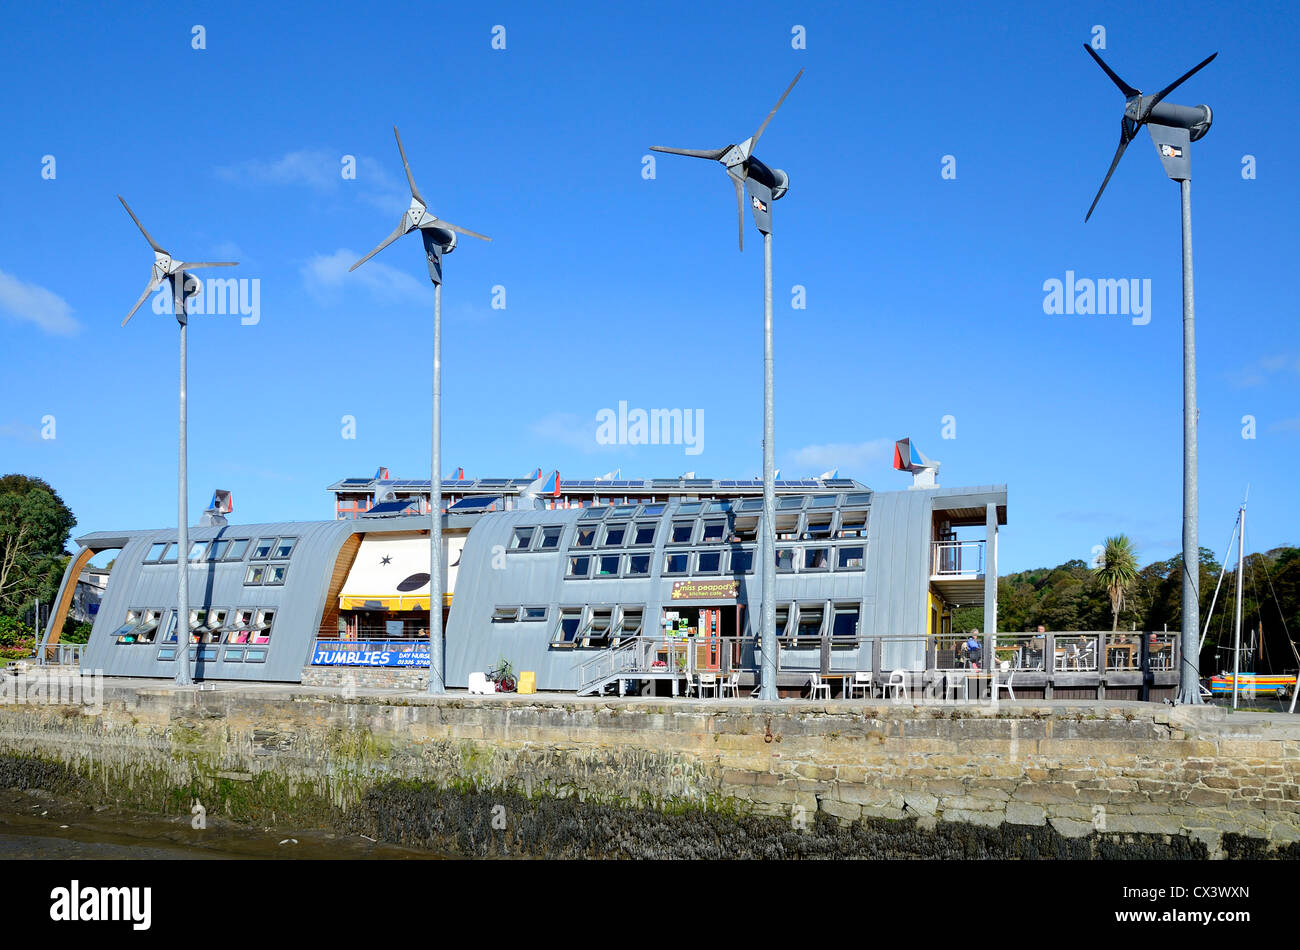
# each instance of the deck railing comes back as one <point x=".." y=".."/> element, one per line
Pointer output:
<point x="956" y="558"/>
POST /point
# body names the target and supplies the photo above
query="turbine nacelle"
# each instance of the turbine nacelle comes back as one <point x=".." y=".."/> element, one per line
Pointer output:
<point x="439" y="236"/>
<point x="168" y="268"/>
<point x="745" y="170"/>
<point x="1172" y="127"/>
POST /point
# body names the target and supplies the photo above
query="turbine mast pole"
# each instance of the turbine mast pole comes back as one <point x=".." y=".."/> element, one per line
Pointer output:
<point x="767" y="545"/>
<point x="437" y="685"/>
<point x="183" y="676"/>
<point x="1241" y="565"/>
<point x="1189" y="680"/>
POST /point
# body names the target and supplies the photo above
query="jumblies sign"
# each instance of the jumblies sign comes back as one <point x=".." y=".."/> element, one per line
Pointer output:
<point x="373" y="653"/>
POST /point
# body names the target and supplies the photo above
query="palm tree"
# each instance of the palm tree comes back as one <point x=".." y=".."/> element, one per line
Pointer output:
<point x="1117" y="570"/>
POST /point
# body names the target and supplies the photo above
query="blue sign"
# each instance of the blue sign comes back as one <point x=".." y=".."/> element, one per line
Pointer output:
<point x="412" y="653"/>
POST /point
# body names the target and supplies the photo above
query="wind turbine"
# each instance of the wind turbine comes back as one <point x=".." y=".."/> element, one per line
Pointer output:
<point x="1173" y="128"/>
<point x="765" y="186"/>
<point x="183" y="285"/>
<point x="439" y="238"/>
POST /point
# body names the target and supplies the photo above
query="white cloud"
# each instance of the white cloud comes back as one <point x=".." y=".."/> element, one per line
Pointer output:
<point x="35" y="304"/>
<point x="321" y="170"/>
<point x="326" y="274"/>
<point x="846" y="456"/>
<point x="570" y="429"/>
<point x="20" y="431"/>
<point x="1260" y="371"/>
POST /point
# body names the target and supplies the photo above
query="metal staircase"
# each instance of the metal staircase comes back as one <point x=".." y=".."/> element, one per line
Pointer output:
<point x="631" y="659"/>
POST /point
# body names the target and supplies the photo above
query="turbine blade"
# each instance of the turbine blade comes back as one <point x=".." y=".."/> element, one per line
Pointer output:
<point x="710" y="153"/>
<point x="443" y="223"/>
<point x="415" y="192"/>
<point x="740" y="209"/>
<point x="152" y="243"/>
<point x="1129" y="91"/>
<point x="1155" y="100"/>
<point x="754" y="141"/>
<point x="152" y="286"/>
<point x="401" y="229"/>
<point x="189" y="266"/>
<point x="1119" y="152"/>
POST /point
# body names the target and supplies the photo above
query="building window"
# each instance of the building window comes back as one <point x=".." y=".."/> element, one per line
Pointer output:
<point x="746" y="529"/>
<point x="284" y="548"/>
<point x="817" y="559"/>
<point x="819" y="527"/>
<point x="713" y="531"/>
<point x="682" y="531"/>
<point x="607" y="565"/>
<point x="585" y="538"/>
<point x="169" y="553"/>
<point x="505" y="615"/>
<point x="262" y="628"/>
<point x="256" y="574"/>
<point x="808" y="628"/>
<point x="262" y="550"/>
<point x="567" y="628"/>
<point x="785" y="559"/>
<point x="614" y="534"/>
<point x="533" y="614"/>
<point x="742" y="561"/>
<point x="852" y="558"/>
<point x="596" y="635"/>
<point x="789" y="502"/>
<point x="522" y="539"/>
<point x="644" y="533"/>
<point x="276" y="572"/>
<point x="638" y="565"/>
<point x="579" y="566"/>
<point x="218" y="550"/>
<point x="675" y="563"/>
<point x="241" y="627"/>
<point x="237" y="548"/>
<point x="710" y="562"/>
<point x="551" y="537"/>
<point x="196" y="550"/>
<point x="629" y="625"/>
<point x="853" y="524"/>
<point x="845" y="624"/>
<point x="155" y="552"/>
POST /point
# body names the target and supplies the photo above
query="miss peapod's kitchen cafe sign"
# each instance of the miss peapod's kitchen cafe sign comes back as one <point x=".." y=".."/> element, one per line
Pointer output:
<point x="699" y="590"/>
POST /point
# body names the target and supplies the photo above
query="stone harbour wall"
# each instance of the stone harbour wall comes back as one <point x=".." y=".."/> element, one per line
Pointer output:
<point x="565" y="776"/>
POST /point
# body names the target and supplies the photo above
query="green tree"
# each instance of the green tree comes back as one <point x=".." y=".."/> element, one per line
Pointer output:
<point x="1117" y="572"/>
<point x="34" y="527"/>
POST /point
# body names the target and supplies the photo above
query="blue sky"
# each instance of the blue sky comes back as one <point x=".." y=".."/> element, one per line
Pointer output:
<point x="924" y="294"/>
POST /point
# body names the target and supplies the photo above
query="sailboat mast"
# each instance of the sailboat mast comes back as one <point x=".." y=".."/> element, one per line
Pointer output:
<point x="1241" y="562"/>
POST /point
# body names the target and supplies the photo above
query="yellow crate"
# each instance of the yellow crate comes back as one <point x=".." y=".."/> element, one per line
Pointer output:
<point x="527" y="682"/>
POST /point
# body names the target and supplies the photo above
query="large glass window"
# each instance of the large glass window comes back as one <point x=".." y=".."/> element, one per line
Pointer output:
<point x="785" y="559"/>
<point x="638" y="565"/>
<point x="746" y="529"/>
<point x="607" y="565"/>
<point x="819" y="527"/>
<point x="817" y="559"/>
<point x="846" y="621"/>
<point x="644" y="533"/>
<point x="823" y="501"/>
<point x="585" y="538"/>
<point x="789" y="501"/>
<point x="742" y="561"/>
<point x="853" y="524"/>
<point x="262" y="550"/>
<point x="852" y="558"/>
<point x="597" y="632"/>
<point x="809" y="626"/>
<point x="169" y="552"/>
<point x="675" y="563"/>
<point x="681" y="532"/>
<point x="155" y="552"/>
<point x="579" y="566"/>
<point x="237" y="548"/>
<point x="218" y="550"/>
<point x="567" y="628"/>
<point x="276" y="572"/>
<point x="614" y="533"/>
<point x="712" y="531"/>
<point x="256" y="574"/>
<point x="533" y="614"/>
<point x="551" y="537"/>
<point x="629" y="624"/>
<point x="505" y="615"/>
<point x="284" y="547"/>
<point x="522" y="539"/>
<point x="710" y="562"/>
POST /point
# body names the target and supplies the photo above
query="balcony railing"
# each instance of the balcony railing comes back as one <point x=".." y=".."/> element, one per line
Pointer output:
<point x="957" y="558"/>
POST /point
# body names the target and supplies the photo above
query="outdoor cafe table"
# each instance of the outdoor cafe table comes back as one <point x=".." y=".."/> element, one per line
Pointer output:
<point x="1122" y="647"/>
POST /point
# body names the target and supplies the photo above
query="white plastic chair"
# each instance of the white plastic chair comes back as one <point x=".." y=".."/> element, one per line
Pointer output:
<point x="690" y="685"/>
<point x="708" y="681"/>
<point x="898" y="683"/>
<point x="731" y="685"/>
<point x="999" y="683"/>
<point x="953" y="680"/>
<point x="861" y="681"/>
<point x="817" y="687"/>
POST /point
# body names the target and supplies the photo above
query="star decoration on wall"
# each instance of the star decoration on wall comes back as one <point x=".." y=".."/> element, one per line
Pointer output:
<point x="386" y="560"/>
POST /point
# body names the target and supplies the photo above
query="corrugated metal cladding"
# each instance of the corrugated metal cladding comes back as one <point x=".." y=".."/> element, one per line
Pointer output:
<point x="298" y="602"/>
<point x="892" y="588"/>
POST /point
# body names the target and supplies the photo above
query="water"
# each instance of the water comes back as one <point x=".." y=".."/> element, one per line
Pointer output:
<point x="38" y="826"/>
